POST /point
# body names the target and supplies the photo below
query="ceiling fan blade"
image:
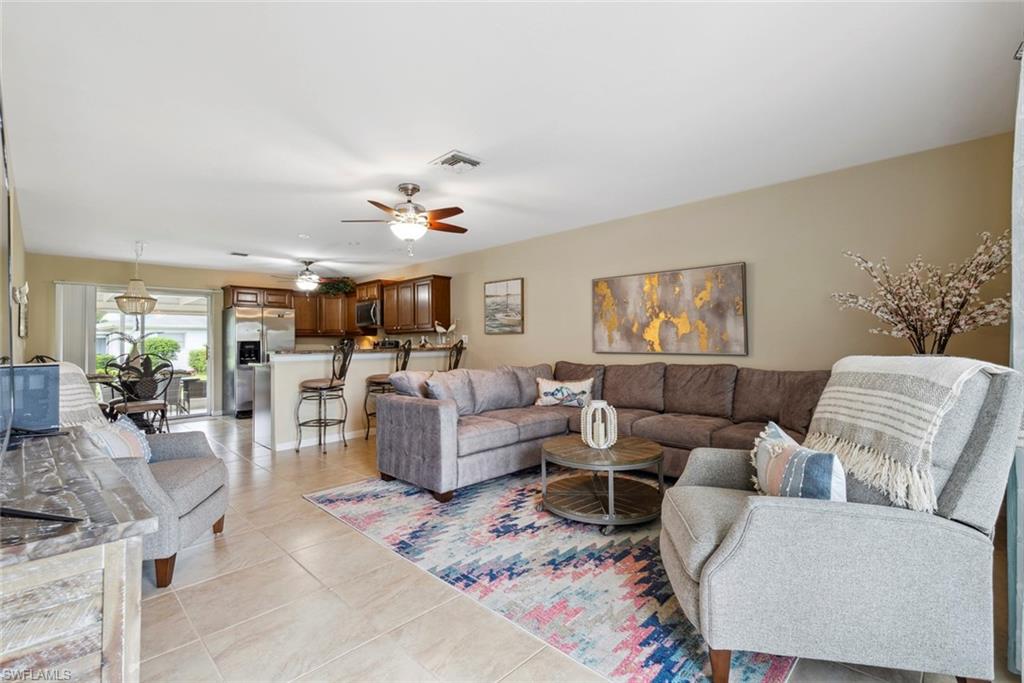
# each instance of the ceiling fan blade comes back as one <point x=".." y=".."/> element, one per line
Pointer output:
<point x="365" y="220"/>
<point x="441" y="214"/>
<point x="445" y="227"/>
<point x="383" y="207"/>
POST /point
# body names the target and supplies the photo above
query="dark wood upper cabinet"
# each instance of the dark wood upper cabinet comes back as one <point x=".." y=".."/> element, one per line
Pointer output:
<point x="406" y="306"/>
<point x="414" y="305"/>
<point x="390" y="307"/>
<point x="368" y="291"/>
<point x="277" y="298"/>
<point x="306" y="314"/>
<point x="242" y="296"/>
<point x="333" y="314"/>
<point x="350" y="315"/>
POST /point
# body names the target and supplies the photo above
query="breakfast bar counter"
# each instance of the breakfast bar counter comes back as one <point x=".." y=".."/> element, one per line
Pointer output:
<point x="287" y="370"/>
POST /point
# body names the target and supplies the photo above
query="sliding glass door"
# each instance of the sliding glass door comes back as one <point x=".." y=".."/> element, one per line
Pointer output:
<point x="179" y="329"/>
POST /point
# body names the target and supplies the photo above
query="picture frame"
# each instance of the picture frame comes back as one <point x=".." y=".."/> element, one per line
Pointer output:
<point x="699" y="310"/>
<point x="505" y="306"/>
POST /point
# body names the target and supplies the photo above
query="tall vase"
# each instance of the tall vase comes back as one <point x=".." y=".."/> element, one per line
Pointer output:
<point x="598" y="424"/>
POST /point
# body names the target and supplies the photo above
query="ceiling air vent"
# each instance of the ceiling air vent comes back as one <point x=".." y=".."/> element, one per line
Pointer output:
<point x="457" y="161"/>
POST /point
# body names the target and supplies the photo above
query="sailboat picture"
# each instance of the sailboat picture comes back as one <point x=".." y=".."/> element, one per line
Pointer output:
<point x="503" y="306"/>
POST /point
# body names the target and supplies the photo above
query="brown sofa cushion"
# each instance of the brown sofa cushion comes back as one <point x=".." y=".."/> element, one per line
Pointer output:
<point x="700" y="389"/>
<point x="680" y="431"/>
<point x="572" y="372"/>
<point x="803" y="391"/>
<point x="787" y="397"/>
<point x="635" y="386"/>
<point x="742" y="435"/>
<point x="624" y="419"/>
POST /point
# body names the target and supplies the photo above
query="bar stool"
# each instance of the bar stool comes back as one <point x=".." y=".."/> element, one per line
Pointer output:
<point x="455" y="354"/>
<point x="381" y="384"/>
<point x="323" y="390"/>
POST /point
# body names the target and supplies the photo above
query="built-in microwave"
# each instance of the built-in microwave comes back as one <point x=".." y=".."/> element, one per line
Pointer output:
<point x="368" y="314"/>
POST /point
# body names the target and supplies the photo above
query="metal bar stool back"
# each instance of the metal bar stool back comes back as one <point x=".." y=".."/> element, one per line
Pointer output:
<point x="455" y="354"/>
<point x="321" y="391"/>
<point x="381" y="383"/>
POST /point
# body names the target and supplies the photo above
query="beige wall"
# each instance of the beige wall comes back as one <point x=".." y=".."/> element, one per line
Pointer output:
<point x="17" y="272"/>
<point x="790" y="235"/>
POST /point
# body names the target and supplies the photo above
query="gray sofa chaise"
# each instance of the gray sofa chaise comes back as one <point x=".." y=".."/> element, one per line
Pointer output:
<point x="491" y="427"/>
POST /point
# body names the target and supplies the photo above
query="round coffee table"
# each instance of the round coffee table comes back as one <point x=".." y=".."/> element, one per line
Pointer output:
<point x="596" y="496"/>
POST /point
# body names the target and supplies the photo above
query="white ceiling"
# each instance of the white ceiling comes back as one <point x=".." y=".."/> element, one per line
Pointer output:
<point x="204" y="128"/>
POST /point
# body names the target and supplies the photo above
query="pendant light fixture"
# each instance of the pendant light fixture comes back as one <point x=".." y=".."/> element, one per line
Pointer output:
<point x="136" y="300"/>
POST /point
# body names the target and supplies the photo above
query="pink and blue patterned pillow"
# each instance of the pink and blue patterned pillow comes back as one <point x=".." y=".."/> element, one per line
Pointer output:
<point x="785" y="468"/>
<point x="121" y="439"/>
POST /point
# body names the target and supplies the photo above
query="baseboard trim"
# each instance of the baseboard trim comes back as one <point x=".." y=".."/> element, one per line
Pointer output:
<point x="332" y="437"/>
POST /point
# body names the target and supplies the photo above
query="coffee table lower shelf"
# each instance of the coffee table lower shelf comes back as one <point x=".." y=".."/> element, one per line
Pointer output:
<point x="585" y="498"/>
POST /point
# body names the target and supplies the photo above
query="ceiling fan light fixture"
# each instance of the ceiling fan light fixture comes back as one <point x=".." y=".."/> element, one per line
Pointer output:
<point x="306" y="284"/>
<point x="407" y="230"/>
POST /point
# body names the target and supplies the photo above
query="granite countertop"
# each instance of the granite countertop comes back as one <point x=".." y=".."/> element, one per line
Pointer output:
<point x="303" y="352"/>
<point x="66" y="475"/>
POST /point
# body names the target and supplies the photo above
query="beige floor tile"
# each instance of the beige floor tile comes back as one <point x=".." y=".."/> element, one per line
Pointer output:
<point x="379" y="661"/>
<point x="259" y="497"/>
<point x="295" y="508"/>
<point x="295" y="534"/>
<point x="345" y="558"/>
<point x="395" y="593"/>
<point x="224" y="554"/>
<point x="328" y="479"/>
<point x="234" y="524"/>
<point x="164" y="626"/>
<point x="448" y="642"/>
<point x="189" y="663"/>
<point x="290" y="640"/>
<point x="551" y="665"/>
<point x="817" y="671"/>
<point x="229" y="599"/>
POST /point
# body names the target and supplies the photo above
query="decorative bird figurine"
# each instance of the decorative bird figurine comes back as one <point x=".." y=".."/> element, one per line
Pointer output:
<point x="442" y="332"/>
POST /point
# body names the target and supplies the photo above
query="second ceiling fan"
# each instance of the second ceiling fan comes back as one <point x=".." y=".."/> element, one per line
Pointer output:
<point x="410" y="221"/>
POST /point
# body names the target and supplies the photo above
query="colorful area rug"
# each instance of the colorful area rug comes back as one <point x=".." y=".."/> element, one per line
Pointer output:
<point x="603" y="600"/>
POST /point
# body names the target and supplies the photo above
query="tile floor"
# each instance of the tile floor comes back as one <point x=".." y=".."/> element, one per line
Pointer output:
<point x="289" y="593"/>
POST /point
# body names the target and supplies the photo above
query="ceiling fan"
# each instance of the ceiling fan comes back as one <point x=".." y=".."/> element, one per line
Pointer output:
<point x="305" y="280"/>
<point x="410" y="221"/>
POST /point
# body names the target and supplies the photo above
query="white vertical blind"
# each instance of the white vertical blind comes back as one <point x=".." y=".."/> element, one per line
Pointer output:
<point x="76" y="324"/>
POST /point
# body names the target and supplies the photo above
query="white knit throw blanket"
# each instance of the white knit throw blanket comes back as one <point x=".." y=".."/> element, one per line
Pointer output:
<point x="880" y="415"/>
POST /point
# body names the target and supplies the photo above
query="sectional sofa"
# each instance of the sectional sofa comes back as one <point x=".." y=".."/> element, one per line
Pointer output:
<point x="486" y="425"/>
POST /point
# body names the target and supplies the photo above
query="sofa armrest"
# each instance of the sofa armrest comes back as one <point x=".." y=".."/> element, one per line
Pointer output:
<point x="177" y="445"/>
<point x="856" y="583"/>
<point x="417" y="441"/>
<point x="723" y="468"/>
<point x="164" y="541"/>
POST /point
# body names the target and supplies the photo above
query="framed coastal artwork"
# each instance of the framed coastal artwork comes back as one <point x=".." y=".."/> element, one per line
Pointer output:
<point x="688" y="311"/>
<point x="503" y="306"/>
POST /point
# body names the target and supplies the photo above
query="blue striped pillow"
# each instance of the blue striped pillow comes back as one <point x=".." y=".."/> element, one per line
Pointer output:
<point x="785" y="468"/>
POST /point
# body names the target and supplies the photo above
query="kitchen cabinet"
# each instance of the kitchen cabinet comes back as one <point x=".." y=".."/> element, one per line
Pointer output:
<point x="306" y="314"/>
<point x="333" y="314"/>
<point x="277" y="298"/>
<point x="242" y="296"/>
<point x="391" y="308"/>
<point x="414" y="305"/>
<point x="350" y="315"/>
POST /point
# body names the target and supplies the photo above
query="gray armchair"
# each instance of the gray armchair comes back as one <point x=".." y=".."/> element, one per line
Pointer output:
<point x="185" y="484"/>
<point x="863" y="583"/>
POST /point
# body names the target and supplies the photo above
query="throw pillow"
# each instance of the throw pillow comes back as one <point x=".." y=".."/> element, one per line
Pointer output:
<point x="527" y="379"/>
<point x="785" y="468"/>
<point x="121" y="439"/>
<point x="453" y="385"/>
<point x="410" y="382"/>
<point x="552" y="392"/>
<point x="494" y="389"/>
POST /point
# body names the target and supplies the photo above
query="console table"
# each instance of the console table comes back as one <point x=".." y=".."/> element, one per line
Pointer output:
<point x="70" y="604"/>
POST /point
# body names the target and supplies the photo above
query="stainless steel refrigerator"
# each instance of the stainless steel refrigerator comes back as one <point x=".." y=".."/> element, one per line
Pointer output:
<point x="251" y="334"/>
